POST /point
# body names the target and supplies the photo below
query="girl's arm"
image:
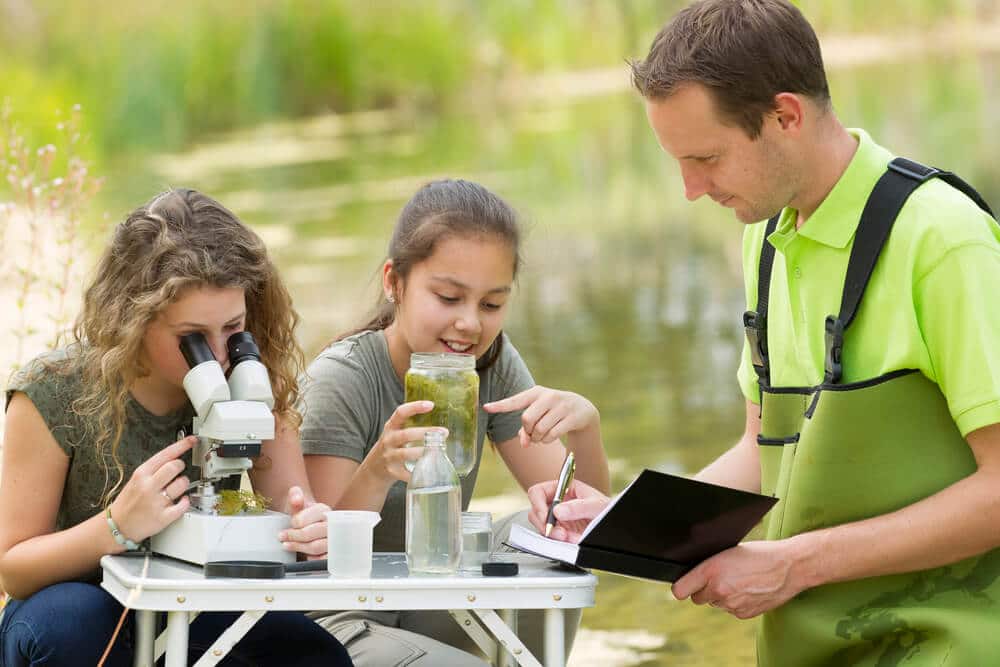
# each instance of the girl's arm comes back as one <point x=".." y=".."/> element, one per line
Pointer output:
<point x="280" y="467"/>
<point x="364" y="486"/>
<point x="535" y="454"/>
<point x="32" y="556"/>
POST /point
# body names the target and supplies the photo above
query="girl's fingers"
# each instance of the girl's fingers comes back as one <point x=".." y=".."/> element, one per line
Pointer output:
<point x="166" y="474"/>
<point x="168" y="453"/>
<point x="544" y="426"/>
<point x="516" y="402"/>
<point x="399" y="416"/>
<point x="175" y="489"/>
<point x="398" y="439"/>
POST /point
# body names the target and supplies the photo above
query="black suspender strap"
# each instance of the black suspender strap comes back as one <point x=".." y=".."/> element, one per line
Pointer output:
<point x="755" y="321"/>
<point x="902" y="177"/>
<point x="886" y="200"/>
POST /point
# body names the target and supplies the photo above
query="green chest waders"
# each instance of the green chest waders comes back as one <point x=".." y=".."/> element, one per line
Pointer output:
<point x="836" y="453"/>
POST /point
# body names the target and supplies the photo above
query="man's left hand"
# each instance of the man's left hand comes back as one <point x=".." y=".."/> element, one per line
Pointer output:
<point x="747" y="580"/>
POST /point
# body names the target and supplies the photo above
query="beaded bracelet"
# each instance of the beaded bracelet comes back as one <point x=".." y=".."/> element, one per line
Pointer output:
<point x="117" y="534"/>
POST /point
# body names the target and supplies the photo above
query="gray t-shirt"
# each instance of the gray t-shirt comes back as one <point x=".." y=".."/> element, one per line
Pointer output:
<point x="52" y="382"/>
<point x="350" y="391"/>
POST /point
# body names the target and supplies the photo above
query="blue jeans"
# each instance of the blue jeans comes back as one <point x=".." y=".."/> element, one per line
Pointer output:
<point x="71" y="623"/>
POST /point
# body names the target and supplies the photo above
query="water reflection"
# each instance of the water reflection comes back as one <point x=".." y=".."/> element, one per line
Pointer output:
<point x="630" y="295"/>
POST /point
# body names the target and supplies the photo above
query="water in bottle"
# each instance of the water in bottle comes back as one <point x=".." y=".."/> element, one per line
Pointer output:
<point x="433" y="512"/>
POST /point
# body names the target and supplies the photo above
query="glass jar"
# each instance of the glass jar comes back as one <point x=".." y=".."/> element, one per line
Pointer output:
<point x="449" y="381"/>
<point x="433" y="512"/>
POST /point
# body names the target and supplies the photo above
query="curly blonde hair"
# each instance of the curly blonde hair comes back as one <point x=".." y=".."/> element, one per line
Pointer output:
<point x="180" y="240"/>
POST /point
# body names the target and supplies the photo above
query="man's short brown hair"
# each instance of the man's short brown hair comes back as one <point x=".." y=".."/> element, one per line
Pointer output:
<point x="744" y="51"/>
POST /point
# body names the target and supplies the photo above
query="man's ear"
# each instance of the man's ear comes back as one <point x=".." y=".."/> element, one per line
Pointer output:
<point x="789" y="111"/>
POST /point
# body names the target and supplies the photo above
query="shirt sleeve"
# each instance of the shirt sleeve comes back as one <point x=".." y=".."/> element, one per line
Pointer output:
<point x="509" y="376"/>
<point x="51" y="393"/>
<point x="959" y="317"/>
<point x="336" y="403"/>
<point x="745" y="374"/>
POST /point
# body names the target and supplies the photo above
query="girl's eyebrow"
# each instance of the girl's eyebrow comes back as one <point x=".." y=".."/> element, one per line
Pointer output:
<point x="451" y="281"/>
<point x="233" y="321"/>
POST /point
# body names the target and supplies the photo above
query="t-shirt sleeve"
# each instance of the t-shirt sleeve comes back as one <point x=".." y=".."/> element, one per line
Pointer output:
<point x="746" y="375"/>
<point x="509" y="376"/>
<point x="336" y="403"/>
<point x="959" y="315"/>
<point x="52" y="396"/>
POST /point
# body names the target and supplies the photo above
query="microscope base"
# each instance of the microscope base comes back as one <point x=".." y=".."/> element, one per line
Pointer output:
<point x="200" y="538"/>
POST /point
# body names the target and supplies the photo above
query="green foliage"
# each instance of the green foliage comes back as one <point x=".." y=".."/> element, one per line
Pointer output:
<point x="241" y="501"/>
<point x="149" y="76"/>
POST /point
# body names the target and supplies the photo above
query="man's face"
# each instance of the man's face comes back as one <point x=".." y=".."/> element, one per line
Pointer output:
<point x="751" y="176"/>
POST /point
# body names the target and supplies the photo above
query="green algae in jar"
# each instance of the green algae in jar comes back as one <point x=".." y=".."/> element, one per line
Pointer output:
<point x="450" y="381"/>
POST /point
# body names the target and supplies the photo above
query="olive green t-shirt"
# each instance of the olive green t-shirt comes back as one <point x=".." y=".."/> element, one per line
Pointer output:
<point x="931" y="303"/>
<point x="351" y="389"/>
<point x="53" y="384"/>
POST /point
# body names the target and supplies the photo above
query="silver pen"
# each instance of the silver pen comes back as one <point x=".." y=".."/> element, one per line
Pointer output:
<point x="565" y="477"/>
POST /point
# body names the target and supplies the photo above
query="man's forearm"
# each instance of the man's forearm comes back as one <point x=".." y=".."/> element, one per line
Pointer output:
<point x="960" y="521"/>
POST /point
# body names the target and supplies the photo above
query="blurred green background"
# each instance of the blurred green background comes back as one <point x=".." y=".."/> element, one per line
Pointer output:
<point x="314" y="121"/>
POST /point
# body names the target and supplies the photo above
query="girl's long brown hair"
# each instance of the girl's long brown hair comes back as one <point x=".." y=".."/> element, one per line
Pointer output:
<point x="180" y="240"/>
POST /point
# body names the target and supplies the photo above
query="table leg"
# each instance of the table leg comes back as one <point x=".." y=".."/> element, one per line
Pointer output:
<point x="472" y="628"/>
<point x="509" y="640"/>
<point x="145" y="629"/>
<point x="177" y="639"/>
<point x="509" y="617"/>
<point x="228" y="639"/>
<point x="555" y="638"/>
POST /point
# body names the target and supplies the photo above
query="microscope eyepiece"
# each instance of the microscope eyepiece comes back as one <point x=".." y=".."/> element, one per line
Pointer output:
<point x="242" y="347"/>
<point x="195" y="349"/>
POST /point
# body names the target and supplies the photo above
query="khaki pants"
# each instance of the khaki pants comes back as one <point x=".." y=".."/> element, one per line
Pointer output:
<point x="432" y="638"/>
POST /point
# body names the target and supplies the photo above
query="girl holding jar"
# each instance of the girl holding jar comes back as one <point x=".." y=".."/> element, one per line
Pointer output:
<point x="447" y="283"/>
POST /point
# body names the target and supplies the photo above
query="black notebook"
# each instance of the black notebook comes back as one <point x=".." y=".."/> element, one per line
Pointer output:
<point x="659" y="527"/>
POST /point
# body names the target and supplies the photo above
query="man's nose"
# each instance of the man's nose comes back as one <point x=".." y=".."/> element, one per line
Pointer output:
<point x="695" y="184"/>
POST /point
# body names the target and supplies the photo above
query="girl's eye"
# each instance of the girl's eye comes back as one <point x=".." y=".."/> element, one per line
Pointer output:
<point x="492" y="306"/>
<point x="448" y="299"/>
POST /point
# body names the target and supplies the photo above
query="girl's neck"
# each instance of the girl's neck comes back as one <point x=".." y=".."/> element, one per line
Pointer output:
<point x="399" y="352"/>
<point x="158" y="397"/>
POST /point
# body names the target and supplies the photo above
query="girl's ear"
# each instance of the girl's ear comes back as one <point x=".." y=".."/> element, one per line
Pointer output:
<point x="389" y="281"/>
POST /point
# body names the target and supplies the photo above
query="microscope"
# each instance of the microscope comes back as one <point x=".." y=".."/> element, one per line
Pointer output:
<point x="231" y="419"/>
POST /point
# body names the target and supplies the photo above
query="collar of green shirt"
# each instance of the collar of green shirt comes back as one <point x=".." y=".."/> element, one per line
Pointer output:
<point x="826" y="225"/>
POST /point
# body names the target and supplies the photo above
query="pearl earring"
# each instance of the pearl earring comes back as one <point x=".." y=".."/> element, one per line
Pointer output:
<point x="390" y="298"/>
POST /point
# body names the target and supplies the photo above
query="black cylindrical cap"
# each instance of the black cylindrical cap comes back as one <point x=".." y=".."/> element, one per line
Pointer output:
<point x="244" y="569"/>
<point x="242" y="346"/>
<point x="195" y="349"/>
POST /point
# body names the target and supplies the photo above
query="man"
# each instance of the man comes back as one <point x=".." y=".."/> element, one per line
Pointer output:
<point x="874" y="420"/>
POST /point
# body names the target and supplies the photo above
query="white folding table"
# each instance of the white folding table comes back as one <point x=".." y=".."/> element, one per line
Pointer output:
<point x="181" y="591"/>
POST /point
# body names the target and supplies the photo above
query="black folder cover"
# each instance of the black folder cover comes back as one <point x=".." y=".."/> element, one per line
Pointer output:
<point x="663" y="525"/>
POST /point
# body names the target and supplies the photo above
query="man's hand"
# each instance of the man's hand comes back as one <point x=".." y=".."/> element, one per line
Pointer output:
<point x="747" y="580"/>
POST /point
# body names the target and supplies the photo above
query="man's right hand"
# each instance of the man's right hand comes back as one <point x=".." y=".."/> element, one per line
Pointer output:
<point x="581" y="504"/>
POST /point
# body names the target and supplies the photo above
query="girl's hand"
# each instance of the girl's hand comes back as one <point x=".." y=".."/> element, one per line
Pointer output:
<point x="155" y="496"/>
<point x="387" y="459"/>
<point x="548" y="414"/>
<point x="307" y="534"/>
<point x="581" y="504"/>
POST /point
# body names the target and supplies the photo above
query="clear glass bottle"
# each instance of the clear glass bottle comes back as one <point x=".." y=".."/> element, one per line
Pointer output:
<point x="450" y="381"/>
<point x="433" y="511"/>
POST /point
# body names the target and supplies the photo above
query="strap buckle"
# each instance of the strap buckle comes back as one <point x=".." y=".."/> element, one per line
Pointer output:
<point x="756" y="331"/>
<point x="834" y="349"/>
<point x="914" y="170"/>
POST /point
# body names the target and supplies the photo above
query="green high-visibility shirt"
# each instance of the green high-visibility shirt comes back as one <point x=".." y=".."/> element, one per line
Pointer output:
<point x="932" y="304"/>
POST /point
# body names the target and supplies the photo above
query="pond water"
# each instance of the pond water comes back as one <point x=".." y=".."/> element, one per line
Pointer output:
<point x="630" y="294"/>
